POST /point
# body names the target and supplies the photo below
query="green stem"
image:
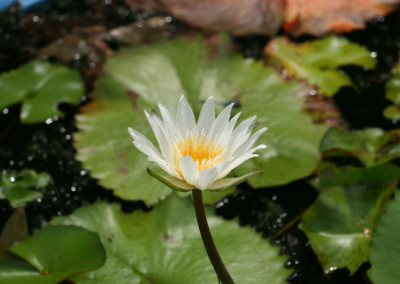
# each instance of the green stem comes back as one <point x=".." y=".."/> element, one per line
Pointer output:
<point x="213" y="255"/>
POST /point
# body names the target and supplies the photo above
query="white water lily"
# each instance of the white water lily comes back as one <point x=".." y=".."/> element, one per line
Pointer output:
<point x="202" y="153"/>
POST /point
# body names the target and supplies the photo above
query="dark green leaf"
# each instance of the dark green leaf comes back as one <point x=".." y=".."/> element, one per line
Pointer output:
<point x="15" y="230"/>
<point x="55" y="253"/>
<point x="41" y="87"/>
<point x="340" y="223"/>
<point x="19" y="187"/>
<point x="370" y="146"/>
<point x="386" y="246"/>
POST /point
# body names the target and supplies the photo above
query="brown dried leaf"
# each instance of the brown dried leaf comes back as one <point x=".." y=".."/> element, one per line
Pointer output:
<point x="318" y="17"/>
<point x="236" y="16"/>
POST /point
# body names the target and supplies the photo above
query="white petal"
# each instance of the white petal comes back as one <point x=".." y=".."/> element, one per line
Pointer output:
<point x="249" y="143"/>
<point x="189" y="169"/>
<point x="225" y="136"/>
<point x="206" y="178"/>
<point x="240" y="135"/>
<point x="158" y="129"/>
<point x="146" y="146"/>
<point x="207" y="116"/>
<point x="184" y="116"/>
<point x="170" y="124"/>
<point x="221" y="122"/>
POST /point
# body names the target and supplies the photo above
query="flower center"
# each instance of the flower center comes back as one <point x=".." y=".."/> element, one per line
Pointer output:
<point x="203" y="152"/>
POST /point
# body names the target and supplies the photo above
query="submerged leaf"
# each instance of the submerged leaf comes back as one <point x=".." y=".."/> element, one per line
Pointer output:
<point x="164" y="246"/>
<point x="371" y="146"/>
<point x="21" y="187"/>
<point x="41" y="87"/>
<point x="53" y="254"/>
<point x="317" y="61"/>
<point x="340" y="223"/>
<point x="386" y="246"/>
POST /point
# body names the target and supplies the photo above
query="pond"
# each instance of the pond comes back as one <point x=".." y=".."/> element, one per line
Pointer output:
<point x="74" y="75"/>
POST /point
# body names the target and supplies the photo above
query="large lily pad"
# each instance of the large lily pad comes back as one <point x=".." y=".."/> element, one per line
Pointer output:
<point x="41" y="87"/>
<point x="317" y="61"/>
<point x="140" y="77"/>
<point x="164" y="246"/>
<point x="53" y="254"/>
<point x="21" y="187"/>
<point x="370" y="146"/>
<point x="386" y="246"/>
<point x="340" y="223"/>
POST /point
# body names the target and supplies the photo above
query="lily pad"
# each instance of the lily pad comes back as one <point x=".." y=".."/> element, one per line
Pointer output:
<point x="53" y="254"/>
<point x="386" y="246"/>
<point x="164" y="246"/>
<point x="41" y="87"/>
<point x="370" y="146"/>
<point x="393" y="94"/>
<point x="21" y="187"/>
<point x="138" y="78"/>
<point x="341" y="222"/>
<point x="317" y="61"/>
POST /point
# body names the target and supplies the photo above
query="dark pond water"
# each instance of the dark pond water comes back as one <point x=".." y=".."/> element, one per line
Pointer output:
<point x="48" y="146"/>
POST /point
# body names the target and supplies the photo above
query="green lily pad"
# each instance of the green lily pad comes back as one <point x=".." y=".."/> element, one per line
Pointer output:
<point x="393" y="94"/>
<point x="164" y="246"/>
<point x="138" y="78"/>
<point x="340" y="223"/>
<point x="53" y="254"/>
<point x="41" y="87"/>
<point x="318" y="61"/>
<point x="19" y="187"/>
<point x="370" y="146"/>
<point x="384" y="257"/>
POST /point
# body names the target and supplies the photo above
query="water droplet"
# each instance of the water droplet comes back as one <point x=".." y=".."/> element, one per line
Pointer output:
<point x="83" y="172"/>
<point x="12" y="179"/>
<point x="49" y="121"/>
<point x="73" y="188"/>
<point x="374" y="54"/>
<point x="5" y="111"/>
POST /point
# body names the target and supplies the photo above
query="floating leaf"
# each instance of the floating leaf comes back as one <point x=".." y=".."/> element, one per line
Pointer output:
<point x="370" y="146"/>
<point x="317" y="61"/>
<point x="340" y="223"/>
<point x="140" y="77"/>
<point x="17" y="186"/>
<point x="386" y="246"/>
<point x="41" y="87"/>
<point x="53" y="253"/>
<point x="393" y="94"/>
<point x="164" y="246"/>
<point x="320" y="17"/>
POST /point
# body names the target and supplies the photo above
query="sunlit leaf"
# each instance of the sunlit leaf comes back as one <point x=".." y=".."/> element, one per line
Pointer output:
<point x="140" y="77"/>
<point x="317" y="61"/>
<point x="164" y="246"/>
<point x="371" y="146"/>
<point x="386" y="246"/>
<point x="21" y="187"/>
<point x="341" y="222"/>
<point x="41" y="87"/>
<point x="53" y="253"/>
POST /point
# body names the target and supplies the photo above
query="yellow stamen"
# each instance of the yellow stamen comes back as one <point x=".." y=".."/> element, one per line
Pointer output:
<point x="203" y="152"/>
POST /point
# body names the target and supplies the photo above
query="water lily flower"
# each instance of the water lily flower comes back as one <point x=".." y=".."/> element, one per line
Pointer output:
<point x="202" y="153"/>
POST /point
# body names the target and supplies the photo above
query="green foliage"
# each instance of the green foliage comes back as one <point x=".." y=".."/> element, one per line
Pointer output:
<point x="53" y="254"/>
<point x="41" y="87"/>
<point x="317" y="61"/>
<point x="370" y="146"/>
<point x="393" y="94"/>
<point x="340" y="223"/>
<point x="164" y="246"/>
<point x="17" y="186"/>
<point x="386" y="246"/>
<point x="138" y="78"/>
